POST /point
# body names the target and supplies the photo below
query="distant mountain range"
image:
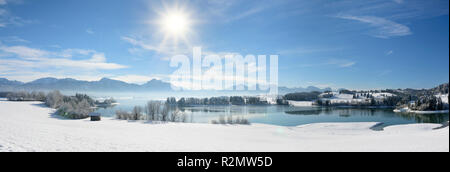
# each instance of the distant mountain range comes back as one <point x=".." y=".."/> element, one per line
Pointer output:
<point x="285" y="90"/>
<point x="69" y="84"/>
<point x="6" y="85"/>
<point x="106" y="84"/>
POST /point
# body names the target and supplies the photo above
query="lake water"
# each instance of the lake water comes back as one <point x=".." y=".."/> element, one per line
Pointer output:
<point x="284" y="115"/>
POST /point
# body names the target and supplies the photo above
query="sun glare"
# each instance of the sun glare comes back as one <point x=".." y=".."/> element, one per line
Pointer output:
<point x="175" y="24"/>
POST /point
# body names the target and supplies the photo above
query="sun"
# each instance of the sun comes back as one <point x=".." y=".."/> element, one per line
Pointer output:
<point x="175" y="24"/>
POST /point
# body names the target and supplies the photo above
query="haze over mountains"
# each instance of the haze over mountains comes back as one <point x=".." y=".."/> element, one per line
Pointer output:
<point x="107" y="84"/>
<point x="104" y="84"/>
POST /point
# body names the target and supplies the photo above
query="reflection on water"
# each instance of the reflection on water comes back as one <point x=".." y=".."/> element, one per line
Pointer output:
<point x="383" y="113"/>
<point x="290" y="116"/>
<point x="275" y="115"/>
<point x="426" y="118"/>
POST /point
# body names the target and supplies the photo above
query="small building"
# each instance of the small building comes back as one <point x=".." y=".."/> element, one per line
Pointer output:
<point x="95" y="116"/>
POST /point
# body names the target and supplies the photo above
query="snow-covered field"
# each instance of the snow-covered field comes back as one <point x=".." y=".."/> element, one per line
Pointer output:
<point x="30" y="126"/>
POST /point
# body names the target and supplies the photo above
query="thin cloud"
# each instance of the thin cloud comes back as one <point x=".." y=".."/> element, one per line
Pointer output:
<point x="165" y="50"/>
<point x="384" y="73"/>
<point x="140" y="44"/>
<point x="168" y="51"/>
<point x="341" y="63"/>
<point x="15" y="39"/>
<point x="382" y="28"/>
<point x="389" y="52"/>
<point x="223" y="9"/>
<point x="135" y="79"/>
<point x="347" y="64"/>
<point x="247" y="13"/>
<point x="399" y="1"/>
<point x="233" y="10"/>
<point x="36" y="58"/>
<point x="24" y="52"/>
<point x="306" y="50"/>
<point x="391" y="9"/>
<point x="90" y="31"/>
<point x="8" y="19"/>
<point x="5" y="2"/>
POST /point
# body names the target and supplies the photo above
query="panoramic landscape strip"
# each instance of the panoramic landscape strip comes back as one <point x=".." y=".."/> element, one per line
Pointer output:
<point x="169" y="117"/>
<point x="224" y="78"/>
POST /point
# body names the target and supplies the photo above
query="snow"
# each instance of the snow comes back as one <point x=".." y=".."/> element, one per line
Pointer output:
<point x="343" y="96"/>
<point x="382" y="95"/>
<point x="407" y="110"/>
<point x="300" y="103"/>
<point x="269" y="98"/>
<point x="30" y="126"/>
<point x="429" y="112"/>
<point x="402" y="110"/>
<point x="444" y="97"/>
<point x="348" y="98"/>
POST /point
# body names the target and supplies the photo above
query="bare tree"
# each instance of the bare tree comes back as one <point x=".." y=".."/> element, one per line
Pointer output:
<point x="183" y="118"/>
<point x="137" y="113"/>
<point x="230" y="119"/>
<point x="123" y="115"/>
<point x="174" y="116"/>
<point x="222" y="119"/>
<point x="152" y="109"/>
<point x="165" y="113"/>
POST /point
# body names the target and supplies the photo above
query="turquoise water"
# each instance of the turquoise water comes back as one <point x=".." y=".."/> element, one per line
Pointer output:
<point x="284" y="115"/>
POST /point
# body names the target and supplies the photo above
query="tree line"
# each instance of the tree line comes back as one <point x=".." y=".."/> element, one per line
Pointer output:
<point x="73" y="107"/>
<point x="153" y="111"/>
<point x="224" y="100"/>
<point x="421" y="100"/>
<point x="428" y="103"/>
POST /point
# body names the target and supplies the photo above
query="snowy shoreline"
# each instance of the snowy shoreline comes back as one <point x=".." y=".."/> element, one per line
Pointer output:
<point x="30" y="126"/>
<point x="407" y="110"/>
<point x="429" y="112"/>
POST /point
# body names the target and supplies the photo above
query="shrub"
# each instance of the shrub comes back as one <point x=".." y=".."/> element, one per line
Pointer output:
<point x="153" y="113"/>
<point x="73" y="107"/>
<point x="230" y="121"/>
<point x="136" y="114"/>
<point x="174" y="116"/>
<point x="54" y="99"/>
<point x="242" y="121"/>
<point x="75" y="110"/>
<point x="25" y="96"/>
<point x="123" y="115"/>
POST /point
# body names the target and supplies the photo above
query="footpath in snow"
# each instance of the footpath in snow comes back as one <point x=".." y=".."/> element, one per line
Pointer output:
<point x="30" y="126"/>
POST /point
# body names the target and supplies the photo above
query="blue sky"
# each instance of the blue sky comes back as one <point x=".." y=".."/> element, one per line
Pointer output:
<point x="340" y="44"/>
